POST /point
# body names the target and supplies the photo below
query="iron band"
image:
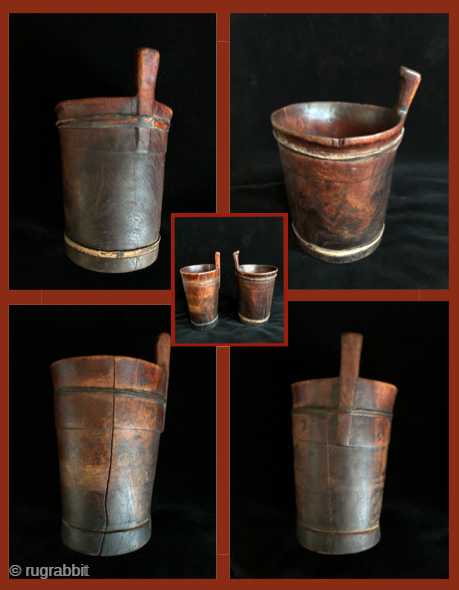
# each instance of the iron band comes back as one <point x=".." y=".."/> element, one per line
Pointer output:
<point x="207" y="324"/>
<point x="106" y="543"/>
<point x="114" y="121"/>
<point x="367" y="413"/>
<point x="115" y="253"/>
<point x="247" y="321"/>
<point x="105" y="532"/>
<point x="326" y="252"/>
<point x="258" y="280"/>
<point x="365" y="531"/>
<point x="389" y="147"/>
<point x="200" y="284"/>
<point x="149" y="395"/>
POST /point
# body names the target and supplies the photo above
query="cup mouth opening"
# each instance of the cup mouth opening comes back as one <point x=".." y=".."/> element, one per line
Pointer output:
<point x="336" y="124"/>
<point x="198" y="269"/>
<point x="104" y="356"/>
<point x="257" y="269"/>
<point x="125" y="106"/>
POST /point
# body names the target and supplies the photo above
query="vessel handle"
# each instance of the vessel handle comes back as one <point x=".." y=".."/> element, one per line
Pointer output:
<point x="351" y="349"/>
<point x="217" y="263"/>
<point x="163" y="356"/>
<point x="147" y="70"/>
<point x="409" y="82"/>
<point x="236" y="259"/>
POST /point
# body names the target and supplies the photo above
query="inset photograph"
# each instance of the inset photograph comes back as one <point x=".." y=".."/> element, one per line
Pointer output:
<point x="341" y="120"/>
<point x="229" y="279"/>
<point x="106" y="471"/>
<point x="117" y="145"/>
<point x="340" y="452"/>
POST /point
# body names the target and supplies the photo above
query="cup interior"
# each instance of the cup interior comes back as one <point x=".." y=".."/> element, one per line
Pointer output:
<point x="260" y="269"/>
<point x="339" y="120"/>
<point x="198" y="268"/>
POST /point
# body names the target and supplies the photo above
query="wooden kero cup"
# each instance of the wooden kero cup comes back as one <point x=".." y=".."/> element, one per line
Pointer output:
<point x="109" y="413"/>
<point x="113" y="152"/>
<point x="341" y="431"/>
<point x="338" y="159"/>
<point x="255" y="289"/>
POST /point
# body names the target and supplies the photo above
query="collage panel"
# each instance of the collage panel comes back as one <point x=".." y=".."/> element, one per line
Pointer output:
<point x="92" y="195"/>
<point x="229" y="280"/>
<point x="318" y="109"/>
<point x="339" y="445"/>
<point x="124" y="478"/>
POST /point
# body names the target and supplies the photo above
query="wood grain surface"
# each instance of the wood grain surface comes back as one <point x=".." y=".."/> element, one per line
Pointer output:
<point x="255" y="289"/>
<point x="201" y="284"/>
<point x="341" y="431"/>
<point x="113" y="154"/>
<point x="338" y="160"/>
<point x="109" y="414"/>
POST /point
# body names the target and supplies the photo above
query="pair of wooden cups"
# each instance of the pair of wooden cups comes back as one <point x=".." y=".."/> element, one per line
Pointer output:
<point x="255" y="285"/>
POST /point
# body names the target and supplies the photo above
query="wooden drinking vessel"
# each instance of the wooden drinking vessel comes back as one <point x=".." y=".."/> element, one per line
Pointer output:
<point x="341" y="430"/>
<point x="255" y="289"/>
<point x="201" y="283"/>
<point x="113" y="153"/>
<point x="109" y="413"/>
<point x="338" y="159"/>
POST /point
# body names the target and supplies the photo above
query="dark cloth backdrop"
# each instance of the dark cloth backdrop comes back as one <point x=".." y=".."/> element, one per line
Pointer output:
<point x="281" y="59"/>
<point x="260" y="241"/>
<point x="55" y="57"/>
<point x="404" y="343"/>
<point x="182" y="544"/>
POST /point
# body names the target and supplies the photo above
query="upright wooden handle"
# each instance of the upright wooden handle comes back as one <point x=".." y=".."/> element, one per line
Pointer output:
<point x="409" y="82"/>
<point x="163" y="356"/>
<point x="147" y="70"/>
<point x="236" y="259"/>
<point x="351" y="349"/>
<point x="217" y="262"/>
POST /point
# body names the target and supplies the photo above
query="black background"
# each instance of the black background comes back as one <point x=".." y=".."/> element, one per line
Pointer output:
<point x="183" y="507"/>
<point x="260" y="241"/>
<point x="55" y="57"/>
<point x="406" y="344"/>
<point x="281" y="59"/>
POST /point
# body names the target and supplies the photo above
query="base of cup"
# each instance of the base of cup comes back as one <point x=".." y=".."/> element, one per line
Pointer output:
<point x="205" y="327"/>
<point x="105" y="544"/>
<point x="337" y="543"/>
<point x="249" y="322"/>
<point x="338" y="256"/>
<point x="111" y="262"/>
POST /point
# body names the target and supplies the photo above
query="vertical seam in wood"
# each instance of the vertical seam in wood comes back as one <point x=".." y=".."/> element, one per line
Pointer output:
<point x="136" y="147"/>
<point x="200" y="305"/>
<point x="111" y="458"/>
<point x="328" y="484"/>
<point x="136" y="141"/>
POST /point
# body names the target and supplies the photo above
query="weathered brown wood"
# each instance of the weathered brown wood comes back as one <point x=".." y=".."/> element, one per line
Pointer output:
<point x="341" y="431"/>
<point x="109" y="413"/>
<point x="255" y="288"/>
<point x="147" y="70"/>
<point x="201" y="283"/>
<point x="113" y="153"/>
<point x="338" y="159"/>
